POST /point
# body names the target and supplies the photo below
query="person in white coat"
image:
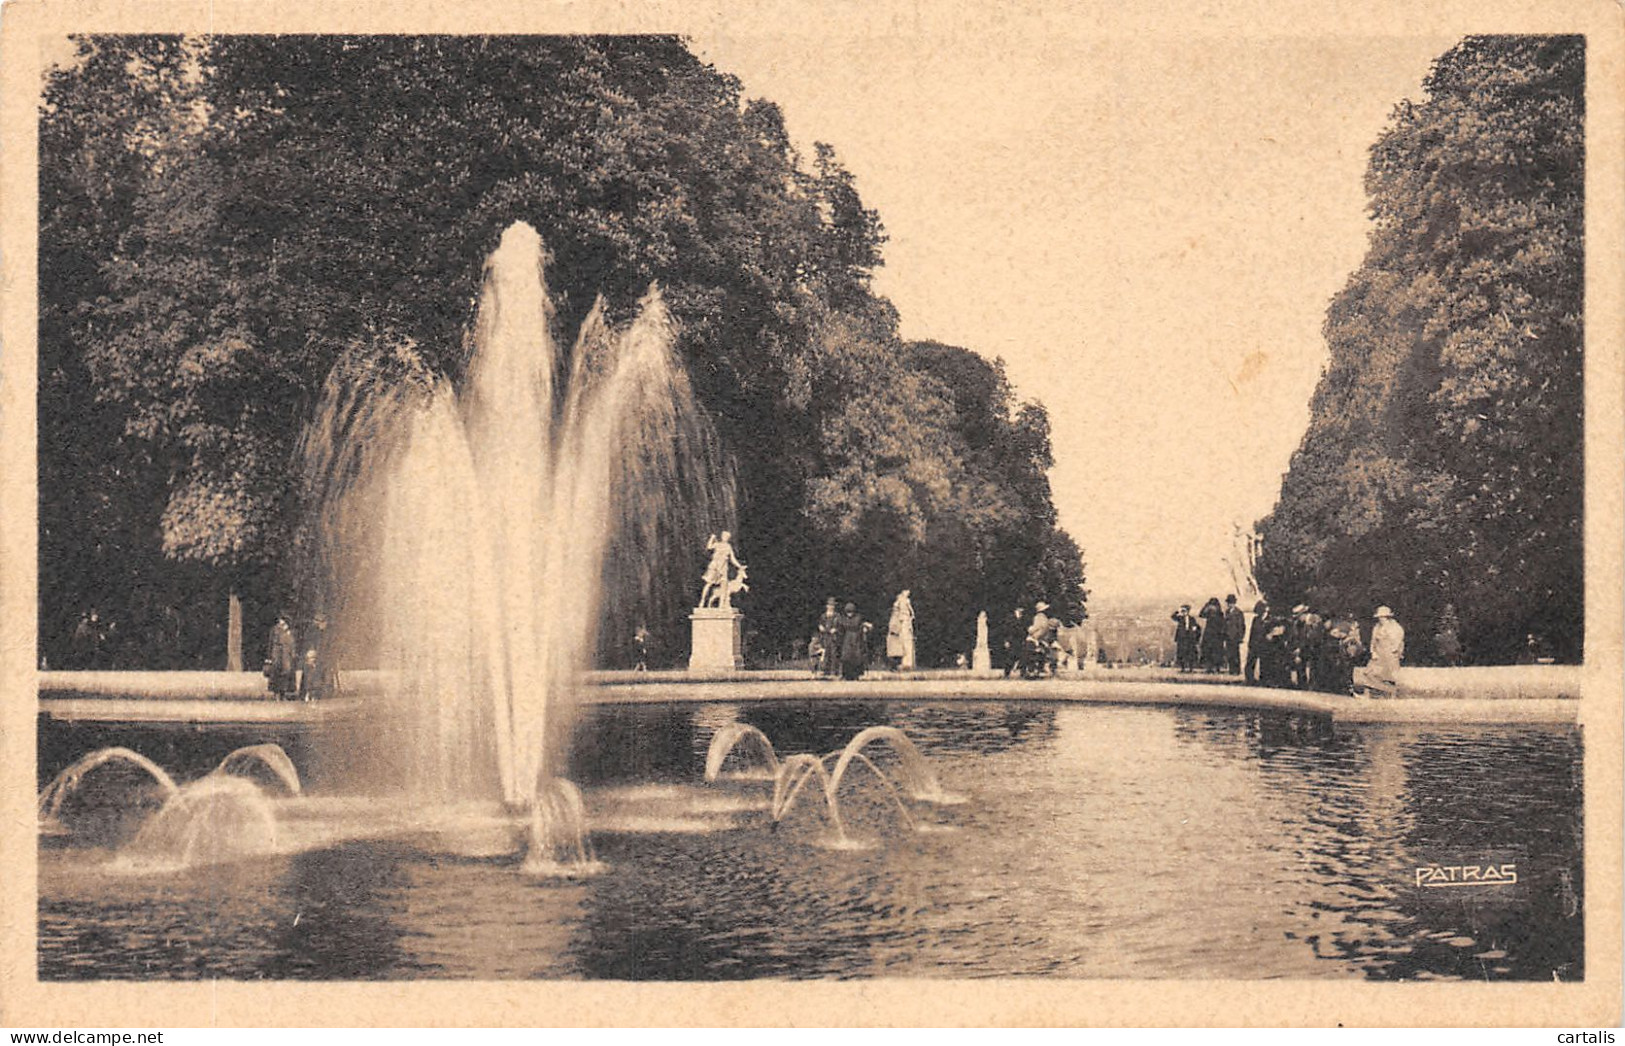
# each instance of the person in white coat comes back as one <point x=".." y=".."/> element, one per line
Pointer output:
<point x="1380" y="676"/>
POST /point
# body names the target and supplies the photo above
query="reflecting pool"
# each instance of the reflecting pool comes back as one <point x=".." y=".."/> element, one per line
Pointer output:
<point x="1080" y="841"/>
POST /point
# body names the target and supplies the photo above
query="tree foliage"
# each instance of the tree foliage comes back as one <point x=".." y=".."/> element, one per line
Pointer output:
<point x="224" y="220"/>
<point x="1443" y="464"/>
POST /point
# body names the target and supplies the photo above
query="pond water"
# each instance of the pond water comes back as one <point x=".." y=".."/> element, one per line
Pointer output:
<point x="1087" y="842"/>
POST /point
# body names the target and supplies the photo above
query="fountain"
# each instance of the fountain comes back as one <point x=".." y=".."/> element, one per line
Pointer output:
<point x="68" y="784"/>
<point x="912" y="776"/>
<point x="256" y="761"/>
<point x="215" y="819"/>
<point x="728" y="738"/>
<point x="468" y="532"/>
<point x="222" y="816"/>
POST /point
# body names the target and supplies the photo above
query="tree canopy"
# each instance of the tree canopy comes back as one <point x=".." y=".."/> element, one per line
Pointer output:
<point x="1443" y="463"/>
<point x="224" y="220"/>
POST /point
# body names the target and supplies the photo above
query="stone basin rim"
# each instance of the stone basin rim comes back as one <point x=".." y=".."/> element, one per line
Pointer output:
<point x="1542" y="697"/>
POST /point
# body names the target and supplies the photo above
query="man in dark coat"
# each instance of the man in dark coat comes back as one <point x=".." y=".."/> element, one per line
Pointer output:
<point x="829" y="641"/>
<point x="319" y="679"/>
<point x="1275" y="653"/>
<point x="1011" y="639"/>
<point x="854" y="642"/>
<point x="1307" y="637"/>
<point x="282" y="660"/>
<point x="1341" y="652"/>
<point x="1255" y="638"/>
<point x="1187" y="633"/>
<point x="1235" y="630"/>
<point x="1212" y="636"/>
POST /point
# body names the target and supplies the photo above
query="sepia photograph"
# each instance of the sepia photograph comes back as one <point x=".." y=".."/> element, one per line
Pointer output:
<point x="887" y="499"/>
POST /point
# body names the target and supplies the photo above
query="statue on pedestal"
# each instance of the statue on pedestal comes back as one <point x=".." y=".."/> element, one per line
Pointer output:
<point x="719" y="585"/>
<point x="718" y="633"/>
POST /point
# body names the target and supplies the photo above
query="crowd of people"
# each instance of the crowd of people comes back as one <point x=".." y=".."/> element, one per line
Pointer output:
<point x="840" y="644"/>
<point x="1028" y="646"/>
<point x="1212" y="639"/>
<point x="1302" y="648"/>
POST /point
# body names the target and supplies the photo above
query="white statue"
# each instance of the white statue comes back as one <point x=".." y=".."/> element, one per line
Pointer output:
<point x="981" y="658"/>
<point x="719" y="586"/>
<point x="900" y="633"/>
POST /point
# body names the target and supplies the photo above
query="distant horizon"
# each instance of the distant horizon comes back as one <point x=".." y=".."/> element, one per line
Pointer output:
<point x="1146" y="231"/>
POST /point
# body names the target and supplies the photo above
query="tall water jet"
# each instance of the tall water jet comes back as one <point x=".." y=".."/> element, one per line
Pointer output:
<point x="468" y="531"/>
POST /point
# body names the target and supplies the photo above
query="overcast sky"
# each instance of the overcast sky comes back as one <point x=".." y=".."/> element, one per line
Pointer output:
<point x="1146" y="229"/>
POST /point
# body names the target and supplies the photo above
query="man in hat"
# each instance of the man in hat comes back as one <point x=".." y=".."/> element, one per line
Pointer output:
<point x="1187" y="634"/>
<point x="1308" y="633"/>
<point x="282" y="660"/>
<point x="1235" y="630"/>
<point x="1380" y="677"/>
<point x="1255" y="639"/>
<point x="829" y="651"/>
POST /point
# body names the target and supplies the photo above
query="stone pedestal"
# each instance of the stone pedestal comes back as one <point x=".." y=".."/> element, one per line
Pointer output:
<point x="718" y="639"/>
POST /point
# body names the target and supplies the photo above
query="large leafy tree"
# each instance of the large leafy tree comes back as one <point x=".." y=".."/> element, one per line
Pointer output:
<point x="225" y="220"/>
<point x="1443" y="461"/>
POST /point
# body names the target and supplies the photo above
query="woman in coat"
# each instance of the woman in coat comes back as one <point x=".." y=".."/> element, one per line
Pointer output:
<point x="854" y="640"/>
<point x="1212" y="646"/>
<point x="1380" y="677"/>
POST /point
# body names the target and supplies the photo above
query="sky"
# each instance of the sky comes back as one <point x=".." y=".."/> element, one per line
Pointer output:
<point x="1146" y="229"/>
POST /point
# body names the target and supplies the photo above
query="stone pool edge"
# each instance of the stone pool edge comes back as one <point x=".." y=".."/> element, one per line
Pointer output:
<point x="1440" y="695"/>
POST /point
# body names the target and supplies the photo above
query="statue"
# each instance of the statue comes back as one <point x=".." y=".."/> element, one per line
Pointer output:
<point x="981" y="657"/>
<point x="719" y="586"/>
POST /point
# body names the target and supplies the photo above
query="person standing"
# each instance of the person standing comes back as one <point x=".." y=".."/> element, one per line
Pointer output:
<point x="1212" y="643"/>
<point x="1380" y="677"/>
<point x="282" y="660"/>
<point x="1447" y="642"/>
<point x="89" y="640"/>
<point x="1010" y="643"/>
<point x="1235" y="630"/>
<point x="1255" y="639"/>
<point x="1308" y="635"/>
<point x="829" y="641"/>
<point x="640" y="648"/>
<point x="1275" y="653"/>
<point x="1343" y="649"/>
<point x="318" y="679"/>
<point x="1187" y="633"/>
<point x="853" y="634"/>
<point x="900" y="633"/>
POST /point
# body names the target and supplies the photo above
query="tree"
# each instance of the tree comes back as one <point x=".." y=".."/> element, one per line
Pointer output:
<point x="1443" y="463"/>
<point x="228" y="220"/>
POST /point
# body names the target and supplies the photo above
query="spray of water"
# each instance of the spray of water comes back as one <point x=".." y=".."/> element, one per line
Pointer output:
<point x="473" y="537"/>
<point x="213" y="820"/>
<point x="743" y="737"/>
<point x="265" y="762"/>
<point x="67" y="784"/>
